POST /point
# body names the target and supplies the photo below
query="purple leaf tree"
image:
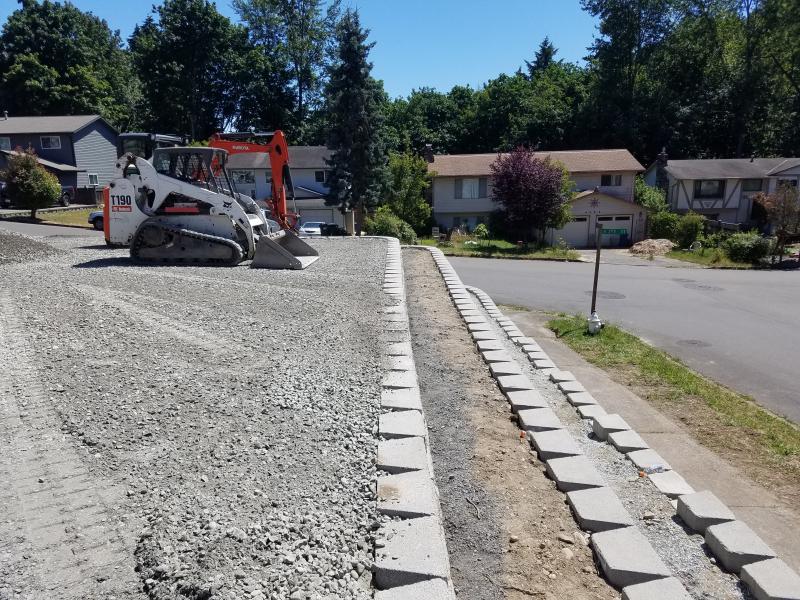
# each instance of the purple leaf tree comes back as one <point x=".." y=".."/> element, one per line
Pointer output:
<point x="532" y="193"/>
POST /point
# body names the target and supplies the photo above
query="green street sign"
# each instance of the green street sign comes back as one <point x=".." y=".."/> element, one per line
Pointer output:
<point x="614" y="231"/>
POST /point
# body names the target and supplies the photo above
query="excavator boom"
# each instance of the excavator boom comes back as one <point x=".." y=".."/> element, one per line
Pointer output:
<point x="274" y="145"/>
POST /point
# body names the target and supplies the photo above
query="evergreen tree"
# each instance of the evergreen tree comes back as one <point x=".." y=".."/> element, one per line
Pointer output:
<point x="356" y="122"/>
<point x="545" y="56"/>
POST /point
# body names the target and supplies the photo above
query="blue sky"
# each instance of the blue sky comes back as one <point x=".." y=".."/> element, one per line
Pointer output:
<point x="436" y="43"/>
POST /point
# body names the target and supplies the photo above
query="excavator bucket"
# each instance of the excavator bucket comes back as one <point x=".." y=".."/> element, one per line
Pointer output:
<point x="283" y="250"/>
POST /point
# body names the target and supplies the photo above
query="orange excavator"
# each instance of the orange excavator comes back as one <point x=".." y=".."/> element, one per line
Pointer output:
<point x="274" y="145"/>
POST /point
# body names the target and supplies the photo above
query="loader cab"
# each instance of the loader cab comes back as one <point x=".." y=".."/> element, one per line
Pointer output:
<point x="144" y="144"/>
<point x="200" y="166"/>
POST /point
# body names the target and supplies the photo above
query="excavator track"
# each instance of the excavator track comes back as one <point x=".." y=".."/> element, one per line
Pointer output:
<point x="158" y="242"/>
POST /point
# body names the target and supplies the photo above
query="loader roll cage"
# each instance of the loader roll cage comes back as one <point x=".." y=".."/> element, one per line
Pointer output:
<point x="203" y="167"/>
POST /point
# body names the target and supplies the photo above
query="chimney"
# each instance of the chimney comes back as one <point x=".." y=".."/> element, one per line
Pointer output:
<point x="427" y="153"/>
<point x="662" y="160"/>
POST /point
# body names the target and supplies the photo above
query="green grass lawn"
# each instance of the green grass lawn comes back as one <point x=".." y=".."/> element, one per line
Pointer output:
<point x="720" y="418"/>
<point x="501" y="249"/>
<point x="711" y="257"/>
<point x="68" y="217"/>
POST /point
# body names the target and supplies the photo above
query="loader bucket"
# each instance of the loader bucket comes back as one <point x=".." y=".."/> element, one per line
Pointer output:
<point x="283" y="250"/>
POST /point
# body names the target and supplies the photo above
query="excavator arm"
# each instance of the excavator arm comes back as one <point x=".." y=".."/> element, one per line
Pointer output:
<point x="273" y="144"/>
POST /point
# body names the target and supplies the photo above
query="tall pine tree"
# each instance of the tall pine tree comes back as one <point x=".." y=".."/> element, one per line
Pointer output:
<point x="355" y="104"/>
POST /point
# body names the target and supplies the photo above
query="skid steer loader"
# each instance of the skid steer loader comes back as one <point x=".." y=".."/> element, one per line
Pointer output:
<point x="181" y="207"/>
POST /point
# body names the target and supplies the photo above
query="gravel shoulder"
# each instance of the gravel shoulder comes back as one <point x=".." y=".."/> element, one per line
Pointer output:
<point x="226" y="418"/>
<point x="509" y="531"/>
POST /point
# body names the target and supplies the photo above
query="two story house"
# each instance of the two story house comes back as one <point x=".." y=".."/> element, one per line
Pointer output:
<point x="310" y="173"/>
<point x="604" y="182"/>
<point x="721" y="189"/>
<point x="80" y="150"/>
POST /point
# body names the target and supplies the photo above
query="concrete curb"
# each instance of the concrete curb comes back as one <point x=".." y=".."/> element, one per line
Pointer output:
<point x="411" y="560"/>
<point x="625" y="556"/>
<point x="734" y="544"/>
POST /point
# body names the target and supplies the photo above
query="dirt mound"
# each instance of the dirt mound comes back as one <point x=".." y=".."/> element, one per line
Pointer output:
<point x="15" y="248"/>
<point x="654" y="247"/>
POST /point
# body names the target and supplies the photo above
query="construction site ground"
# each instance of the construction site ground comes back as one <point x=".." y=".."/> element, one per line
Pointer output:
<point x="186" y="432"/>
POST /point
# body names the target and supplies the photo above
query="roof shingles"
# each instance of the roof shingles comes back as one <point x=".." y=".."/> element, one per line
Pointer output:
<point x="64" y="124"/>
<point x="576" y="161"/>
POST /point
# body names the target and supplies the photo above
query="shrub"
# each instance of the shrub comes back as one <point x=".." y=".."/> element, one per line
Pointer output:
<point x="715" y="240"/>
<point x="662" y="225"/>
<point x="481" y="231"/>
<point x="29" y="185"/>
<point x="652" y="198"/>
<point x="747" y="247"/>
<point x="385" y="222"/>
<point x="689" y="228"/>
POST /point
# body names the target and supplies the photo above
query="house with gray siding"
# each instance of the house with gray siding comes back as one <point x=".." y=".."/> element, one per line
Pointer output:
<point x="721" y="189"/>
<point x="603" y="181"/>
<point x="310" y="176"/>
<point x="81" y="150"/>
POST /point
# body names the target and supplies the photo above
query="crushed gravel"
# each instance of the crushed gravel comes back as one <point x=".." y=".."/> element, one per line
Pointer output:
<point x="683" y="553"/>
<point x="237" y="408"/>
<point x="15" y="248"/>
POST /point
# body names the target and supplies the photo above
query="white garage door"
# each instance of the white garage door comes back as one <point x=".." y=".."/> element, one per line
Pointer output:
<point x="618" y="228"/>
<point x="575" y="233"/>
<point x="326" y="215"/>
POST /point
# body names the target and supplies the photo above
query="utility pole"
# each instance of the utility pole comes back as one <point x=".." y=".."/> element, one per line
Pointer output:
<point x="594" y="324"/>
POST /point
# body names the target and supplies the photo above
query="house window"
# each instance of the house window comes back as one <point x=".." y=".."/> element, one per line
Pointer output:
<point x="50" y="142"/>
<point x="321" y="176"/>
<point x="709" y="188"/>
<point x="243" y="176"/>
<point x="604" y="219"/>
<point x="611" y="180"/>
<point x="471" y="188"/>
<point x="5" y="143"/>
<point x="751" y="185"/>
<point x="789" y="182"/>
<point x="93" y="179"/>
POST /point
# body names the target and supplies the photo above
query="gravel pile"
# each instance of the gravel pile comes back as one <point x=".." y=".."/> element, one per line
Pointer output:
<point x="654" y="515"/>
<point x="652" y="247"/>
<point x="237" y="408"/>
<point x="15" y="248"/>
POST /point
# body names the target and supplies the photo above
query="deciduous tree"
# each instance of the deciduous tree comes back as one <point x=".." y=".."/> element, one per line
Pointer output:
<point x="56" y="59"/>
<point x="406" y="185"/>
<point x="192" y="62"/>
<point x="534" y="194"/>
<point x="30" y="185"/>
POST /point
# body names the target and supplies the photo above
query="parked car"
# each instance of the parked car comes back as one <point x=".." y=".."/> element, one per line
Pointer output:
<point x="312" y="228"/>
<point x="96" y="219"/>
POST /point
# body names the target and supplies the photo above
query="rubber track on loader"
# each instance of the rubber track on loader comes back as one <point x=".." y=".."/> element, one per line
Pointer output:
<point x="236" y="249"/>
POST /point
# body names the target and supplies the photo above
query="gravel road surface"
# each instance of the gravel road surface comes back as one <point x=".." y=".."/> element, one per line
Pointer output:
<point x="187" y="432"/>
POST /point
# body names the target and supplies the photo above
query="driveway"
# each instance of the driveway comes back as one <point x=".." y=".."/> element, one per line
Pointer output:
<point x="739" y="328"/>
<point x="49" y="230"/>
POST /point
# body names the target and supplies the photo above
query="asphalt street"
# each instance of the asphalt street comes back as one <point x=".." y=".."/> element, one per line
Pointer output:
<point x="737" y="327"/>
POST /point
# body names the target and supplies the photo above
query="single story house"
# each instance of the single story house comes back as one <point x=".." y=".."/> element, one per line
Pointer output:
<point x="252" y="176"/>
<point x="721" y="189"/>
<point x="81" y="150"/>
<point x="604" y="182"/>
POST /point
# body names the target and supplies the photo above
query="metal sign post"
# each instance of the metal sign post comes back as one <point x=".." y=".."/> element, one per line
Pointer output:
<point x="594" y="322"/>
